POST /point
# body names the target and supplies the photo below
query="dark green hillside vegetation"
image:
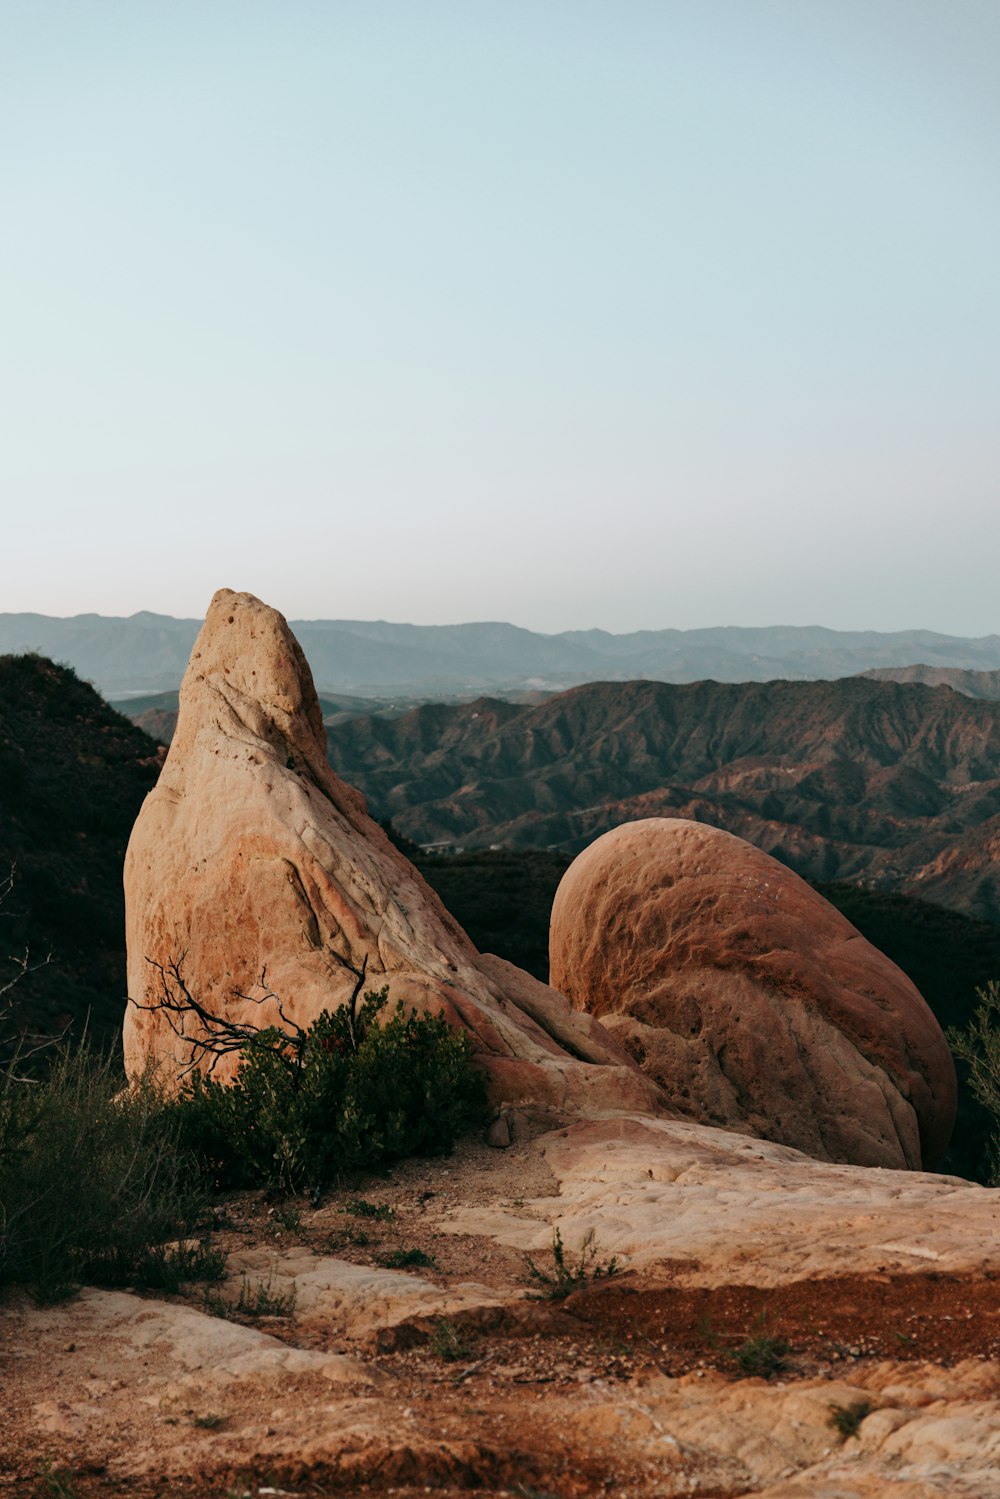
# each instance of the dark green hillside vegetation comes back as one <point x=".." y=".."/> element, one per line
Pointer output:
<point x="92" y="1180"/>
<point x="949" y="957"/>
<point x="502" y="898"/>
<point x="73" y="774"/>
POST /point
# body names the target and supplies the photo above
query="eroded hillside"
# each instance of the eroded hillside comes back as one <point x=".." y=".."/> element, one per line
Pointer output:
<point x="895" y="785"/>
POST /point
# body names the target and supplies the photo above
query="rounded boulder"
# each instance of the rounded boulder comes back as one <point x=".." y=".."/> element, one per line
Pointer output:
<point x="750" y="999"/>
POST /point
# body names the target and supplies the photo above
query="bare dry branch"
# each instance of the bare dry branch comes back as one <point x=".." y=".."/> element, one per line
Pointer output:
<point x="352" y="1004"/>
<point x="215" y="1037"/>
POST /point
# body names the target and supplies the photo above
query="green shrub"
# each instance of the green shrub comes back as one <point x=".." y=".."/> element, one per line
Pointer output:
<point x="408" y="1259"/>
<point x="345" y="1096"/>
<point x="978" y="1046"/>
<point x="91" y="1177"/>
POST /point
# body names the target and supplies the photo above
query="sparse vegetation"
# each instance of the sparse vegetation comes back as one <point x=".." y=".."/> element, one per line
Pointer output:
<point x="565" y="1275"/>
<point x="287" y="1218"/>
<point x="761" y="1356"/>
<point x="408" y="1259"/>
<point x="846" y="1419"/>
<point x="209" y="1422"/>
<point x="92" y="1179"/>
<point x="215" y="1304"/>
<point x="259" y="1299"/>
<point x="978" y="1046"/>
<point x="450" y="1341"/>
<point x="169" y="1267"/>
<point x="55" y="1483"/>
<point x="359" y="1207"/>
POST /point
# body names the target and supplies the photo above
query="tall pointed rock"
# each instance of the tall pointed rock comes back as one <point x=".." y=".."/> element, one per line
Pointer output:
<point x="252" y="857"/>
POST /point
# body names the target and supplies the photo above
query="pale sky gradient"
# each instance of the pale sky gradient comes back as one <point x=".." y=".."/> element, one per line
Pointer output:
<point x="628" y="313"/>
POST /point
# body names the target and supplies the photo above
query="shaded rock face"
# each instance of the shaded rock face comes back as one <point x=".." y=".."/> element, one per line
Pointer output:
<point x="748" y="998"/>
<point x="250" y="858"/>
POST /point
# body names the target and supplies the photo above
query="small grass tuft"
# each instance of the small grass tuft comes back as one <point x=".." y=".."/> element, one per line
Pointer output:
<point x="359" y="1207"/>
<point x="565" y="1277"/>
<point x="168" y="1267"/>
<point x="260" y="1299"/>
<point x="55" y="1483"/>
<point x="846" y="1419"/>
<point x="761" y="1356"/>
<point x="408" y="1259"/>
<point x="288" y="1218"/>
<point x="210" y="1422"/>
<point x="215" y="1305"/>
<point x="449" y="1341"/>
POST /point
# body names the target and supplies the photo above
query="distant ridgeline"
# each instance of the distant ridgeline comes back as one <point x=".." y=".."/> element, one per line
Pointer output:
<point x="147" y="653"/>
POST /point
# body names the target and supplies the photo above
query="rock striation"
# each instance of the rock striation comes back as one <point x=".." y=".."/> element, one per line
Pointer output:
<point x="256" y="869"/>
<point x="749" y="999"/>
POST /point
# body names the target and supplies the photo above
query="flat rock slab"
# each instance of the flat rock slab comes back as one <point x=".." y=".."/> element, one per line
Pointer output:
<point x="160" y="1395"/>
<point x="733" y="1208"/>
<point x="354" y="1301"/>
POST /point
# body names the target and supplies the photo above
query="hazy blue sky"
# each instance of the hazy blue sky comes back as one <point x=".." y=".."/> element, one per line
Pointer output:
<point x="632" y="313"/>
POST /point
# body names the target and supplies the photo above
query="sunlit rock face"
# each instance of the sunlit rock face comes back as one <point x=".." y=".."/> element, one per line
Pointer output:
<point x="748" y="998"/>
<point x="255" y="868"/>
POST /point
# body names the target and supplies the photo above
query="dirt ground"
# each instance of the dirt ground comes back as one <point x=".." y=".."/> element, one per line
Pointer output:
<point x="512" y="1393"/>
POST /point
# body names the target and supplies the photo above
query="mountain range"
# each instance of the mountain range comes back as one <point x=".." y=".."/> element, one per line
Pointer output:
<point x="894" y="785"/>
<point x="147" y="653"/>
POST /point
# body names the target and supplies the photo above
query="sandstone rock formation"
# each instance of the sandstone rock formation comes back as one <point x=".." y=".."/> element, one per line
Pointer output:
<point x="250" y="855"/>
<point x="748" y="998"/>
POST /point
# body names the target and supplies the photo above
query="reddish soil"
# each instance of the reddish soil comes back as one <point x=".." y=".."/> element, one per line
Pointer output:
<point x="491" y="1381"/>
<point x="933" y="1316"/>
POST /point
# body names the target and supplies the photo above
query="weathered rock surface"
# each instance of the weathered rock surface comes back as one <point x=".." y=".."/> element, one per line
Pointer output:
<point x="251" y="855"/>
<point x="641" y="1400"/>
<point x="748" y="998"/>
<point x="719" y="1207"/>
